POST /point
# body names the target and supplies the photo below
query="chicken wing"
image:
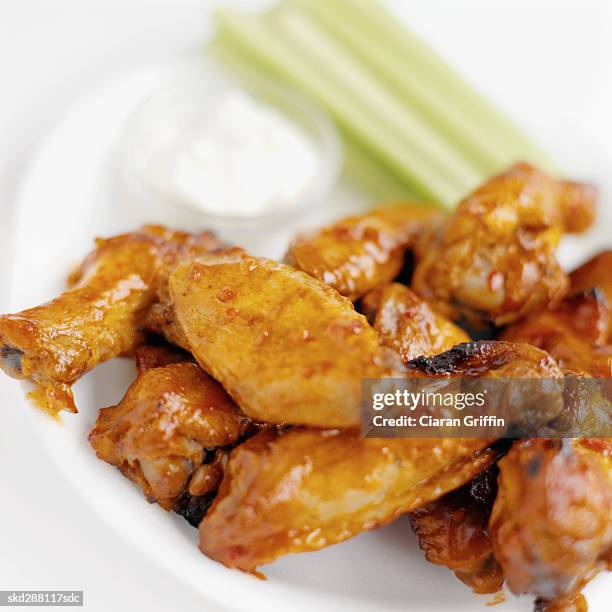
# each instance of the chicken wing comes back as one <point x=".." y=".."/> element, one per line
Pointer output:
<point x="577" y="332"/>
<point x="573" y="333"/>
<point x="409" y="325"/>
<point x="494" y="258"/>
<point x="550" y="526"/>
<point x="453" y="531"/>
<point x="357" y="253"/>
<point x="305" y="489"/>
<point x="164" y="431"/>
<point x="101" y="317"/>
<point x="286" y="347"/>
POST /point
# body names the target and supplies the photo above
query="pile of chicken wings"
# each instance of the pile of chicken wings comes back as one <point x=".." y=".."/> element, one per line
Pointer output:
<point x="244" y="415"/>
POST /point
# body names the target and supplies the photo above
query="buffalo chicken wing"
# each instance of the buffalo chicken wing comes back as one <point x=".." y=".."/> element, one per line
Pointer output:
<point x="305" y="489"/>
<point x="101" y="317"/>
<point x="160" y="433"/>
<point x="286" y="347"/>
<point x="550" y="525"/>
<point x="494" y="258"/>
<point x="357" y="253"/>
<point x="453" y="531"/>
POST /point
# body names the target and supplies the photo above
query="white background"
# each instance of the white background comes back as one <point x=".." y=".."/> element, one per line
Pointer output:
<point x="548" y="62"/>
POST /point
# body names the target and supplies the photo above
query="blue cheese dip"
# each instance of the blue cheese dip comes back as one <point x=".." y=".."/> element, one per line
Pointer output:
<point x="238" y="157"/>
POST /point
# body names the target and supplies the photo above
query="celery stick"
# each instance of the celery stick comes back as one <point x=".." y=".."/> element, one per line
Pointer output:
<point x="400" y="120"/>
<point x="435" y="106"/>
<point x="426" y="64"/>
<point x="265" y="46"/>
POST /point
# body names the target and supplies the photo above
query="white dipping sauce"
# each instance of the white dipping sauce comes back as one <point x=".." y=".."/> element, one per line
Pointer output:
<point x="238" y="157"/>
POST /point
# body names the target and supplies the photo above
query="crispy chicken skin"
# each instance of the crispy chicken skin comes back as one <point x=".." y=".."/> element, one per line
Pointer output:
<point x="305" y="489"/>
<point x="159" y="432"/>
<point x="530" y="406"/>
<point x="490" y="358"/>
<point x="409" y="325"/>
<point x="355" y="254"/>
<point x="286" y="347"/>
<point x="101" y="317"/>
<point x="453" y="531"/>
<point x="494" y="258"/>
<point x="550" y="525"/>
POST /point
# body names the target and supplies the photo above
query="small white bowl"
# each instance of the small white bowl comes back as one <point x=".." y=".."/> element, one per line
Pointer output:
<point x="187" y="95"/>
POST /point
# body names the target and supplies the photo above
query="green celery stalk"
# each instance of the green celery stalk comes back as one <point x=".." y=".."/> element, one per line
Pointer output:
<point x="463" y="131"/>
<point x="381" y="26"/>
<point x="400" y="120"/>
<point x="269" y="48"/>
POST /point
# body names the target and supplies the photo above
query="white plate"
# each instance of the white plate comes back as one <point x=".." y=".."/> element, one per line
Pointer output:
<point x="67" y="198"/>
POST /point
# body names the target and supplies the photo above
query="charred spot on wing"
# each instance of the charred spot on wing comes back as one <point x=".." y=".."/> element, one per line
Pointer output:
<point x="11" y="359"/>
<point x="194" y="508"/>
<point x="459" y="359"/>
<point x="483" y="488"/>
